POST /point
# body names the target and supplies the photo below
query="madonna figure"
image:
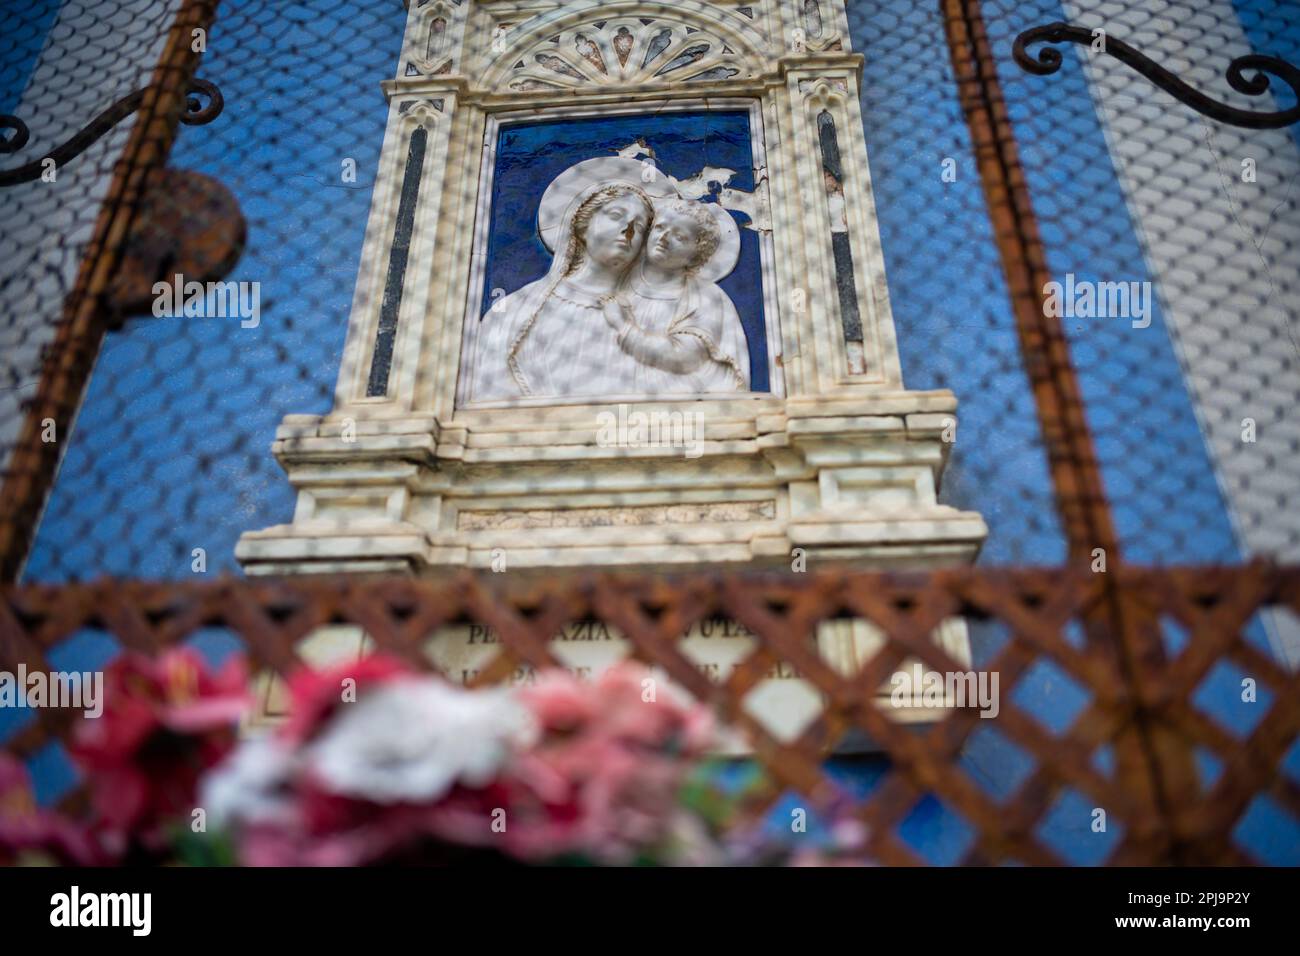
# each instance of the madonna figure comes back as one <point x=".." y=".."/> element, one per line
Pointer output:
<point x="551" y="338"/>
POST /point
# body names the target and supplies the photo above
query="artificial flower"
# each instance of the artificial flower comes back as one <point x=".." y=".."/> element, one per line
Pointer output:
<point x="166" y="721"/>
<point x="410" y="740"/>
<point x="603" y="781"/>
<point x="30" y="834"/>
<point x="316" y="695"/>
<point x="253" y="785"/>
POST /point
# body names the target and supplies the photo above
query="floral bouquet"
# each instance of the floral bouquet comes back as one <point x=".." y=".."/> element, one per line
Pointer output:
<point x="378" y="764"/>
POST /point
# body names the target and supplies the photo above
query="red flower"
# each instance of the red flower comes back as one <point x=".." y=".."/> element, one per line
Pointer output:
<point x="331" y="830"/>
<point x="28" y="832"/>
<point x="316" y="694"/>
<point x="166" y="720"/>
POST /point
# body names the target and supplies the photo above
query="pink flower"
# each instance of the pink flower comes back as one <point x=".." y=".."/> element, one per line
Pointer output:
<point x="604" y="780"/>
<point x="559" y="702"/>
<point x="166" y="720"/>
<point x="627" y="701"/>
<point x="30" y="833"/>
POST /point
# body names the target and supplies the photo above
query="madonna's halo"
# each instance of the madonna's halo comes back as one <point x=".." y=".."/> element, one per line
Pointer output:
<point x="566" y="189"/>
<point x="725" y="257"/>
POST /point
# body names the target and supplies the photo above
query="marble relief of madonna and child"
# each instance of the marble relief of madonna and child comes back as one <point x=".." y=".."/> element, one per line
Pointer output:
<point x="629" y="307"/>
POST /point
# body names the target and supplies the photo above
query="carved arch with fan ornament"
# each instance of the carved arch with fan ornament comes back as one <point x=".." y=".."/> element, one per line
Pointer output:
<point x="626" y="51"/>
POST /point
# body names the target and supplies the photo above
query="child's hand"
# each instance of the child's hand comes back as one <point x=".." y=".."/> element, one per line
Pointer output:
<point x="616" y="315"/>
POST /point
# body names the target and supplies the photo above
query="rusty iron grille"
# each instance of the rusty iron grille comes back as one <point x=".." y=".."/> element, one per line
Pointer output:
<point x="1040" y="607"/>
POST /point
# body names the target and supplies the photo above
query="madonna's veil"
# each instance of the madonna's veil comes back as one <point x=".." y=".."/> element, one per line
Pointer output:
<point x="506" y="325"/>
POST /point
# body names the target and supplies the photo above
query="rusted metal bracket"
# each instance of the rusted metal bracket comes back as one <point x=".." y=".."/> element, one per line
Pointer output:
<point x="197" y="113"/>
<point x="72" y="354"/>
<point x="1049" y="61"/>
<point x="188" y="224"/>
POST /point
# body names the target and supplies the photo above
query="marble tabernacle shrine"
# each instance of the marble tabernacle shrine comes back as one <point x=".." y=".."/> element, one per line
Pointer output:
<point x="594" y="216"/>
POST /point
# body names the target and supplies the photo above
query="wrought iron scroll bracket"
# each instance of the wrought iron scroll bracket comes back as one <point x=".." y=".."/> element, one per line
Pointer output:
<point x="1048" y="61"/>
<point x="197" y="113"/>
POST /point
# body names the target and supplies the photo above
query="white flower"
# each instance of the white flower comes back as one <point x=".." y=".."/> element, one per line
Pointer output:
<point x="411" y="740"/>
<point x="250" y="785"/>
